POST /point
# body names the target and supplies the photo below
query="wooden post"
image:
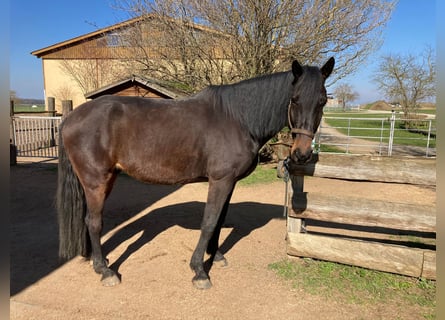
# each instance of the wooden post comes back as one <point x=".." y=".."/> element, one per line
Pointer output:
<point x="52" y="105"/>
<point x="295" y="224"/>
<point x="11" y="122"/>
<point x="12" y="154"/>
<point x="12" y="146"/>
<point x="67" y="107"/>
<point x="52" y="110"/>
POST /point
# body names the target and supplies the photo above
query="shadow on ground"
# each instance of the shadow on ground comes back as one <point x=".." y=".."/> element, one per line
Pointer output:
<point x="34" y="232"/>
<point x="243" y="217"/>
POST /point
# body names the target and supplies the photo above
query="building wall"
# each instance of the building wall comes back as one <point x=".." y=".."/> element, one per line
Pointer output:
<point x="111" y="59"/>
<point x="94" y="74"/>
<point x="60" y="85"/>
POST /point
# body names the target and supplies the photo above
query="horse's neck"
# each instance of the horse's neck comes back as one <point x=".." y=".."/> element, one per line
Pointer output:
<point x="260" y="105"/>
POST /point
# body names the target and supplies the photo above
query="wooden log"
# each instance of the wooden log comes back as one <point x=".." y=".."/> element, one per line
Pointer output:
<point x="429" y="265"/>
<point x="377" y="256"/>
<point x="293" y="225"/>
<point x="420" y="171"/>
<point x="363" y="212"/>
<point x="51" y="104"/>
<point x="67" y="107"/>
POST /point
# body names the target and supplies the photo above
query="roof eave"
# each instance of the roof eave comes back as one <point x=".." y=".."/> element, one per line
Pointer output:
<point x="41" y="52"/>
<point x="138" y="79"/>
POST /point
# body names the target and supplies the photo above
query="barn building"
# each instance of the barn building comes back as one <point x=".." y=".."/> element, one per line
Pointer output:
<point x="100" y="62"/>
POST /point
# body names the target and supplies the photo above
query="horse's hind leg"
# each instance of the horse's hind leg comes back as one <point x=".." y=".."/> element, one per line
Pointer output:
<point x="95" y="197"/>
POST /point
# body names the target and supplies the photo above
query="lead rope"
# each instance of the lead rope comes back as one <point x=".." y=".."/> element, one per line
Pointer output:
<point x="286" y="186"/>
<point x="286" y="167"/>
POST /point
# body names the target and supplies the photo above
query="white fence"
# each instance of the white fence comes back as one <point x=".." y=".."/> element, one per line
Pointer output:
<point x="385" y="137"/>
<point x="35" y="136"/>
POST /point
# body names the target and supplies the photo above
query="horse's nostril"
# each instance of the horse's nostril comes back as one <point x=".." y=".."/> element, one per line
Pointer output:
<point x="302" y="157"/>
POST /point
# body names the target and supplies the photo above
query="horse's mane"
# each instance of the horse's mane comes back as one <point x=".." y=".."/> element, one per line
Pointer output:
<point x="259" y="103"/>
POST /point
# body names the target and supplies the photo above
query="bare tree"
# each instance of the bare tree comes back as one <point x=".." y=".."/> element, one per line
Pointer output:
<point x="64" y="92"/>
<point x="241" y="39"/>
<point x="91" y="74"/>
<point x="408" y="79"/>
<point x="345" y="94"/>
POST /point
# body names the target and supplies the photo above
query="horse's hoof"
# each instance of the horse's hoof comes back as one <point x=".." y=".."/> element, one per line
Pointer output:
<point x="110" y="281"/>
<point x="221" y="263"/>
<point x="202" y="284"/>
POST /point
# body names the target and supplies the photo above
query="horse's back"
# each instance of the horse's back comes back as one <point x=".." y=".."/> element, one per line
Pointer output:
<point x="154" y="140"/>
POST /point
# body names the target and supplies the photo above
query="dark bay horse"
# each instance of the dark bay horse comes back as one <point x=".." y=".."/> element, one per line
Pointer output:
<point x="213" y="136"/>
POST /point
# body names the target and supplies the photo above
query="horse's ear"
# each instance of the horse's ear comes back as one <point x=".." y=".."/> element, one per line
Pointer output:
<point x="297" y="70"/>
<point x="328" y="67"/>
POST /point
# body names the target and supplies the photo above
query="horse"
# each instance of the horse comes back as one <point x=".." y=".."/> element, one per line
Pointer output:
<point x="214" y="136"/>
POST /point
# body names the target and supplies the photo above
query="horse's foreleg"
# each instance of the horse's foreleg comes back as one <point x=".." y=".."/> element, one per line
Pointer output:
<point x="95" y="202"/>
<point x="219" y="193"/>
<point x="213" y="246"/>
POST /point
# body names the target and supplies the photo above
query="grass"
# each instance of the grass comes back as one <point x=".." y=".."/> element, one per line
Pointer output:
<point x="328" y="148"/>
<point x="262" y="174"/>
<point x="357" y="285"/>
<point x="27" y="108"/>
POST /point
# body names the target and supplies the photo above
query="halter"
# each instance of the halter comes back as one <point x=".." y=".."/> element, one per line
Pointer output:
<point x="305" y="132"/>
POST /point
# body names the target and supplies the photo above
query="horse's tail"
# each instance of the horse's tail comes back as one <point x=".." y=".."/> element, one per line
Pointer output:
<point x="71" y="209"/>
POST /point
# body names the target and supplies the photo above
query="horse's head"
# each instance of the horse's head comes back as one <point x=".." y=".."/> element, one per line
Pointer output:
<point x="306" y="107"/>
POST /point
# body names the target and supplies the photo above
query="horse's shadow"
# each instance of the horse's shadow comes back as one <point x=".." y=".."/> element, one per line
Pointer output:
<point x="34" y="230"/>
<point x="242" y="217"/>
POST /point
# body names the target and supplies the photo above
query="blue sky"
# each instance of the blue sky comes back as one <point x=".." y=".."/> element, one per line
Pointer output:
<point x="37" y="24"/>
<point x="411" y="28"/>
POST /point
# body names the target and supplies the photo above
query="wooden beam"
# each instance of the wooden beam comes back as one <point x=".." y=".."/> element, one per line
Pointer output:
<point x="420" y="171"/>
<point x="377" y="256"/>
<point x="429" y="265"/>
<point x="363" y="212"/>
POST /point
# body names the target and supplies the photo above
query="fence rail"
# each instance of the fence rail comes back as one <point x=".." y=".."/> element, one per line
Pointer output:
<point x="396" y="237"/>
<point x="380" y="136"/>
<point x="35" y="136"/>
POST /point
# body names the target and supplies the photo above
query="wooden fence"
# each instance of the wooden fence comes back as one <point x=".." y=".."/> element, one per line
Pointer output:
<point x="35" y="134"/>
<point x="386" y="236"/>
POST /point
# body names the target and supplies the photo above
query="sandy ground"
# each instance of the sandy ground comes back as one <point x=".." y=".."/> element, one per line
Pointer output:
<point x="150" y="233"/>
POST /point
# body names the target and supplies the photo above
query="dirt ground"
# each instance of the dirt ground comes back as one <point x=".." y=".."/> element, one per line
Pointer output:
<point x="150" y="233"/>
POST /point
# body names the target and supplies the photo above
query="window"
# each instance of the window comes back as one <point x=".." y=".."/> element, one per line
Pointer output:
<point x="112" y="40"/>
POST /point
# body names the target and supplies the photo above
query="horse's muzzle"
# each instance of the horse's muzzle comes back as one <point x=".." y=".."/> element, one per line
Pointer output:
<point x="301" y="157"/>
<point x="301" y="151"/>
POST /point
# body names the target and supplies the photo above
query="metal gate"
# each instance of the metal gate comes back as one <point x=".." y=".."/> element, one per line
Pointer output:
<point x="35" y="136"/>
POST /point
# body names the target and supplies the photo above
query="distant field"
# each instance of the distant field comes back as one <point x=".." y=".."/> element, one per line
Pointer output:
<point x="368" y="125"/>
<point x="29" y="108"/>
<point x="428" y="111"/>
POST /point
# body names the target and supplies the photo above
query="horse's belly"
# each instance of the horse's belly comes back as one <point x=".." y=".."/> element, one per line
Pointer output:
<point x="165" y="172"/>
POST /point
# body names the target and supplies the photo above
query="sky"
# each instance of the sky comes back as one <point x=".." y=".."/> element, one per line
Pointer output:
<point x="37" y="24"/>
